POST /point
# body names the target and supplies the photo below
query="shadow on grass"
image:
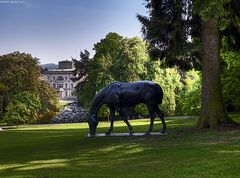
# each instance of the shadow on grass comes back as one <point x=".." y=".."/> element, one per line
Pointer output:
<point x="62" y="152"/>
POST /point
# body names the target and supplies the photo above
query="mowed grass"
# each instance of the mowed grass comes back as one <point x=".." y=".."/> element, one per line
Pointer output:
<point x="59" y="151"/>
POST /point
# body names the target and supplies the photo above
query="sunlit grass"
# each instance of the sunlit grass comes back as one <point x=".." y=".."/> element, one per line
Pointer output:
<point x="63" y="150"/>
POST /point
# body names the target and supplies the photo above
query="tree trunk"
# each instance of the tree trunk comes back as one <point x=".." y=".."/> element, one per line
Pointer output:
<point x="212" y="108"/>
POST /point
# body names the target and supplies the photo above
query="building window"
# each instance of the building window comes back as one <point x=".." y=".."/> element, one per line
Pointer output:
<point x="48" y="77"/>
<point x="53" y="77"/>
<point x="66" y="94"/>
<point x="60" y="78"/>
<point x="66" y="78"/>
<point x="54" y="85"/>
<point x="71" y="85"/>
<point x="66" y="85"/>
<point x="59" y="85"/>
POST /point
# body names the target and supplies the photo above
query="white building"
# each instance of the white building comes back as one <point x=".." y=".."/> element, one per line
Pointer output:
<point x="60" y="79"/>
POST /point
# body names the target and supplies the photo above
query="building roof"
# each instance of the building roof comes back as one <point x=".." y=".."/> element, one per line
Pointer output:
<point x="58" y="71"/>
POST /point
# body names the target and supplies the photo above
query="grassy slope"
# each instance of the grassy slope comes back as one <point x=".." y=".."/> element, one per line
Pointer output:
<point x="64" y="151"/>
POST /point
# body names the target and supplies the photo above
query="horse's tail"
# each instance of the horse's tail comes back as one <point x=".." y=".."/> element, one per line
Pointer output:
<point x="159" y="92"/>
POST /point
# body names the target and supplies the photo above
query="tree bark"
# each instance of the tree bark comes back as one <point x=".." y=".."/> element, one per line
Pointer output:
<point x="212" y="108"/>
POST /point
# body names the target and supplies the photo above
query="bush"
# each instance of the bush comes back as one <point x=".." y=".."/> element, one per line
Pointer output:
<point x="22" y="108"/>
<point x="45" y="118"/>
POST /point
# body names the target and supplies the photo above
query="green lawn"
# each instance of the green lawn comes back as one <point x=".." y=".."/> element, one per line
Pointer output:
<point x="57" y="151"/>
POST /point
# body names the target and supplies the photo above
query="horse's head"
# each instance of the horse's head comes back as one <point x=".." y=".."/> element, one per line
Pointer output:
<point x="92" y="122"/>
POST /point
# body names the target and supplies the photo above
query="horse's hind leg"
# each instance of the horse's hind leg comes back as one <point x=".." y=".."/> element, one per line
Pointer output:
<point x="122" y="114"/>
<point x="161" y="116"/>
<point x="152" y="117"/>
<point x="112" y="114"/>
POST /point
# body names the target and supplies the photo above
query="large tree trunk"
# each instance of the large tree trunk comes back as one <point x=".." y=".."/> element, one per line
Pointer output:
<point x="212" y="108"/>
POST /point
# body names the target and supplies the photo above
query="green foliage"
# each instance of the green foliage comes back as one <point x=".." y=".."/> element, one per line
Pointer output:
<point x="167" y="28"/>
<point x="169" y="80"/>
<point x="129" y="63"/>
<point x="116" y="59"/>
<point x="22" y="108"/>
<point x="48" y="97"/>
<point x="104" y="112"/>
<point x="188" y="99"/>
<point x="230" y="79"/>
<point x="80" y="72"/>
<point x="208" y="9"/>
<point x="19" y="72"/>
<point x="46" y="117"/>
<point x="127" y="60"/>
<point x="98" y="72"/>
<point x="142" y="110"/>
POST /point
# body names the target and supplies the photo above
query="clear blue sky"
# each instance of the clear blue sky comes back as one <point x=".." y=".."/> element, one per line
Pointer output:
<point x="54" y="30"/>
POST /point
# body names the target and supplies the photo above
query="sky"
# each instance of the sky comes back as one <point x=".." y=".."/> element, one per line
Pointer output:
<point x="55" y="30"/>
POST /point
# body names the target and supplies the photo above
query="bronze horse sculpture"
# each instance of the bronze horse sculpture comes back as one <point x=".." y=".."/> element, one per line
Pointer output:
<point x="119" y="95"/>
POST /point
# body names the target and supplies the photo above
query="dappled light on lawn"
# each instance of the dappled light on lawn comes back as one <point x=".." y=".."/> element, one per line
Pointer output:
<point x="64" y="150"/>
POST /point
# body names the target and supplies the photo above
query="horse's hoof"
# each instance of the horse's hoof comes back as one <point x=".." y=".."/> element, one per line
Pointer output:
<point x="90" y="136"/>
<point x="163" y="132"/>
<point x="147" y="133"/>
<point x="108" y="133"/>
<point x="130" y="133"/>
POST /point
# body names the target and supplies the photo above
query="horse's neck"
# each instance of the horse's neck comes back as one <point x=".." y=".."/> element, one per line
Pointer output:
<point x="96" y="104"/>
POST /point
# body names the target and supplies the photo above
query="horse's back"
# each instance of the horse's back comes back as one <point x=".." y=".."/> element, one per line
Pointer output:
<point x="135" y="92"/>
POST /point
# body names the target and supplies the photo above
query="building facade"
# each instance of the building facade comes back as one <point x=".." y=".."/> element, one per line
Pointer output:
<point x="60" y="79"/>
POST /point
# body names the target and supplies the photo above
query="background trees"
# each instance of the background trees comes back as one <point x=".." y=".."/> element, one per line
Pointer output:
<point x="169" y="28"/>
<point x="24" y="92"/>
<point x="81" y="72"/>
<point x="22" y="108"/>
<point x="126" y="59"/>
<point x="230" y="80"/>
<point x="18" y="73"/>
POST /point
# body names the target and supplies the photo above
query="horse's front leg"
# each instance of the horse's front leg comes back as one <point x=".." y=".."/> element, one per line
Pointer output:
<point x="112" y="114"/>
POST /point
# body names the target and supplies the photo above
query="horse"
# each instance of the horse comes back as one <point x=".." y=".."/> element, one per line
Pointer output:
<point x="119" y="95"/>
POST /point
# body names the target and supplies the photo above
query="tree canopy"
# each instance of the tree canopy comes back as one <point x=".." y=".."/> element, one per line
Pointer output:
<point x="23" y="87"/>
<point x="126" y="60"/>
<point x="168" y="29"/>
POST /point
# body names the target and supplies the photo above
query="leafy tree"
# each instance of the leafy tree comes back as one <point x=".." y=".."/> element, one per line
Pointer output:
<point x="98" y="73"/>
<point x="188" y="99"/>
<point x="22" y="108"/>
<point x="19" y="72"/>
<point x="230" y="45"/>
<point x="129" y="63"/>
<point x="48" y="97"/>
<point x="80" y="72"/>
<point x="126" y="60"/>
<point x="105" y="52"/>
<point x="212" y="112"/>
<point x="170" y="81"/>
<point x="230" y="80"/>
<point x="168" y="28"/>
